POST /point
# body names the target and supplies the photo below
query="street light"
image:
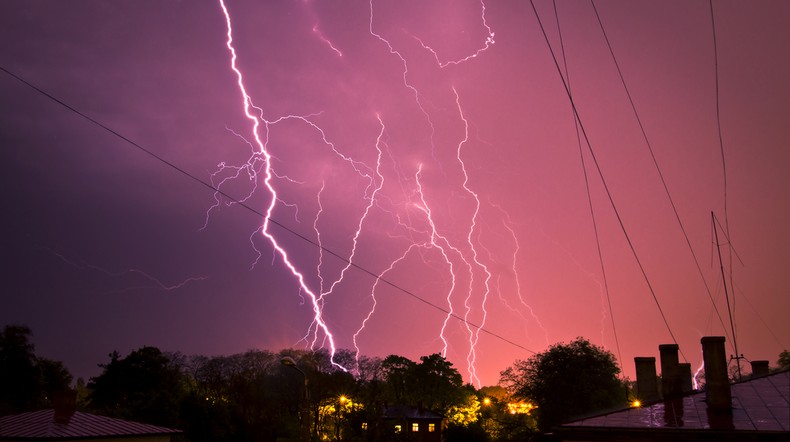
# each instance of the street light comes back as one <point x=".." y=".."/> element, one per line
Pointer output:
<point x="305" y="413"/>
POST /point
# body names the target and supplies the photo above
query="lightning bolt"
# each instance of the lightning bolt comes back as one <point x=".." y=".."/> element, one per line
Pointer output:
<point x="260" y="143"/>
<point x="488" y="43"/>
<point x="322" y="37"/>
<point x="474" y="338"/>
<point x="376" y="184"/>
<point x="436" y="238"/>
<point x="418" y="223"/>
<point x="507" y="223"/>
<point x="157" y="283"/>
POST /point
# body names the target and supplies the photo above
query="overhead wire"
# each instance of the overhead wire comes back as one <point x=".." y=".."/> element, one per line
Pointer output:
<point x="726" y="228"/>
<point x="655" y="162"/>
<point x="603" y="180"/>
<point x="271" y="220"/>
<point x="589" y="194"/>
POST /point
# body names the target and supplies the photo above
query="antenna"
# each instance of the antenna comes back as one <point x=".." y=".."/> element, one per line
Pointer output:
<point x="737" y="357"/>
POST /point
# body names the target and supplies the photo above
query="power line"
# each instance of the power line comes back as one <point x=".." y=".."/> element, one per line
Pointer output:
<point x="589" y="194"/>
<point x="655" y="162"/>
<point x="723" y="157"/>
<point x="253" y="210"/>
<point x="600" y="174"/>
<point x="718" y="112"/>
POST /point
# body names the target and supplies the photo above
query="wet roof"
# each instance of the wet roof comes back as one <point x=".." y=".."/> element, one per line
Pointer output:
<point x="41" y="425"/>
<point x="758" y="405"/>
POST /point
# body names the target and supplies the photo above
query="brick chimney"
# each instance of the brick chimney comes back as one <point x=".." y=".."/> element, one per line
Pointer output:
<point x="670" y="379"/>
<point x="760" y="369"/>
<point x="65" y="403"/>
<point x="684" y="373"/>
<point x="717" y="383"/>
<point x="646" y="382"/>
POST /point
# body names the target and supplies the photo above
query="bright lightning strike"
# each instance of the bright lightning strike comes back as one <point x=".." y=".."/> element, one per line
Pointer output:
<point x="261" y="146"/>
<point x="444" y="230"/>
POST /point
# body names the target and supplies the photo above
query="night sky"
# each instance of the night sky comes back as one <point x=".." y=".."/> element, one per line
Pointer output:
<point x="432" y="143"/>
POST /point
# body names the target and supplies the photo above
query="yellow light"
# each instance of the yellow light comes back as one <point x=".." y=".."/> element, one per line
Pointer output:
<point x="636" y="403"/>
<point x="343" y="399"/>
<point x="520" y="407"/>
<point x="487" y="401"/>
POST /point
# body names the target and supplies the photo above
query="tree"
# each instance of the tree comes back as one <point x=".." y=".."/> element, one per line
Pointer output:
<point x="784" y="360"/>
<point x="53" y="377"/>
<point x="439" y="385"/>
<point x="19" y="388"/>
<point x="566" y="381"/>
<point x="144" y="386"/>
<point x="27" y="382"/>
<point x="399" y="378"/>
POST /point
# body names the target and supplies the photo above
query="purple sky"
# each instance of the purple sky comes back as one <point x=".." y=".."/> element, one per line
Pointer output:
<point x="100" y="236"/>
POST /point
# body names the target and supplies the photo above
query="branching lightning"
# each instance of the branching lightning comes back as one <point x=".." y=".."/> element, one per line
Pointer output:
<point x="263" y="152"/>
<point x="488" y="43"/>
<point x="474" y="338"/>
<point x="469" y="278"/>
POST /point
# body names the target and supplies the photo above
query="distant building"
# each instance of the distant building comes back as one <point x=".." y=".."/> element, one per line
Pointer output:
<point x="415" y="423"/>
<point x="757" y="409"/>
<point x="49" y="425"/>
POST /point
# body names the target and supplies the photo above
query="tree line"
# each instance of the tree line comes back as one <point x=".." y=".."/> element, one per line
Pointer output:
<point x="295" y="394"/>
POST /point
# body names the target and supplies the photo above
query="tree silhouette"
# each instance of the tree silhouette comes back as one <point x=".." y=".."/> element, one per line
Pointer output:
<point x="566" y="381"/>
<point x="144" y="386"/>
<point x="27" y="382"/>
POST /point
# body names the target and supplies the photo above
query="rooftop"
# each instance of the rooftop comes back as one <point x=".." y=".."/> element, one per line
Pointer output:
<point x="41" y="425"/>
<point x="407" y="412"/>
<point x="758" y="405"/>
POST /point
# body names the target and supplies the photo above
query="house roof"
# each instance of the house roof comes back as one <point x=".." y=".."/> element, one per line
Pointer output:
<point x="758" y="405"/>
<point x="407" y="412"/>
<point x="41" y="425"/>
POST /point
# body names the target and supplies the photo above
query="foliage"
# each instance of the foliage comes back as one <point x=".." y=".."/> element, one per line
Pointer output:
<point x="465" y="433"/>
<point x="53" y="376"/>
<point x="18" y="384"/>
<point x="566" y="381"/>
<point x="464" y="413"/>
<point x="784" y="360"/>
<point x="432" y="383"/>
<point x="253" y="396"/>
<point x="502" y="420"/>
<point x="144" y="386"/>
<point x="27" y="382"/>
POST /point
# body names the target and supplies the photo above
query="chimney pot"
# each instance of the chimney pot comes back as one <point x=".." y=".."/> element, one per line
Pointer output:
<point x="64" y="403"/>
<point x="670" y="379"/>
<point x="717" y="383"/>
<point x="646" y="382"/>
<point x="760" y="369"/>
<point x="684" y="372"/>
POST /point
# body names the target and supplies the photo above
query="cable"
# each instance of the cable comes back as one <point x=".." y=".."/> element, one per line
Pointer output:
<point x="655" y="162"/>
<point x="589" y="194"/>
<point x="718" y="113"/>
<point x="723" y="157"/>
<point x="600" y="174"/>
<point x="253" y="210"/>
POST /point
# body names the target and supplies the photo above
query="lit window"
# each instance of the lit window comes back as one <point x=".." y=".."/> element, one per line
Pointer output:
<point x="364" y="425"/>
<point x="415" y="426"/>
<point x="397" y="428"/>
<point x="431" y="428"/>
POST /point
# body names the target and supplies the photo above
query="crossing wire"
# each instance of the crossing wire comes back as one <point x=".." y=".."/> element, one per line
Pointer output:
<point x="253" y="210"/>
<point x="603" y="180"/>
